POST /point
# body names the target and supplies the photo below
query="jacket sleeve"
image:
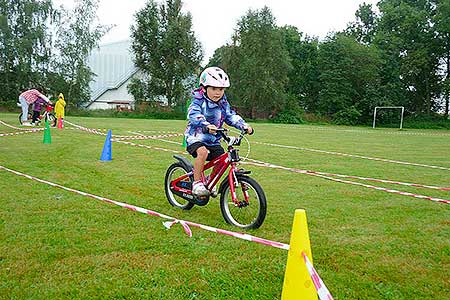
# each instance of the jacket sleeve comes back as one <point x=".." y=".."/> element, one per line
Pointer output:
<point x="195" y="115"/>
<point x="233" y="119"/>
<point x="44" y="97"/>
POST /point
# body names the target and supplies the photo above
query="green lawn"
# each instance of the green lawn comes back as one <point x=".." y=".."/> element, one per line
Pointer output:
<point x="366" y="244"/>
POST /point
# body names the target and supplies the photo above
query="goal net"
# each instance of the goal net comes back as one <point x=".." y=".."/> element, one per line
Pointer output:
<point x="378" y="108"/>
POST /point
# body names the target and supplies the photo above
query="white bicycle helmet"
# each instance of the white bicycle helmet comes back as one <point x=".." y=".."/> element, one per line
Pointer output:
<point x="214" y="76"/>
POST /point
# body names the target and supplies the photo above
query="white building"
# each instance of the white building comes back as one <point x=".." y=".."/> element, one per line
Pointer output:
<point x="114" y="68"/>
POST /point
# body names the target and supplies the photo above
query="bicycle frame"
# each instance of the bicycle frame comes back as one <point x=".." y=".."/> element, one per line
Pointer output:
<point x="220" y="166"/>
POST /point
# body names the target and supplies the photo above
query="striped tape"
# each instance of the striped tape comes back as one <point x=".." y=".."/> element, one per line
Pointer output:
<point x="268" y="165"/>
<point x="16" y="133"/>
<point x="122" y="137"/>
<point x="22" y="129"/>
<point x="318" y="283"/>
<point x="322" y="290"/>
<point x="354" y="155"/>
<point x="313" y="173"/>
<point x="365" y="131"/>
<point x="145" y="137"/>
<point x="173" y="220"/>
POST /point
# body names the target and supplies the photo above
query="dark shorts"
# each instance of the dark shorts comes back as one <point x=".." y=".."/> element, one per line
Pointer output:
<point x="214" y="151"/>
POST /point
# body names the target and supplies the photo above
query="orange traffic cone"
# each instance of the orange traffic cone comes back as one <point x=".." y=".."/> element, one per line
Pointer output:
<point x="60" y="123"/>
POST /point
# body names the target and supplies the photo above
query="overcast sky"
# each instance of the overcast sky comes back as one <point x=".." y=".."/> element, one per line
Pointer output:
<point x="214" y="21"/>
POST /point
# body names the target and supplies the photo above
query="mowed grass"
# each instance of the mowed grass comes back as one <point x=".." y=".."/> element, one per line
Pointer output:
<point x="366" y="244"/>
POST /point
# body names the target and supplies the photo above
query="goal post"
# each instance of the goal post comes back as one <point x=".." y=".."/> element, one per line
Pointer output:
<point x="388" y="107"/>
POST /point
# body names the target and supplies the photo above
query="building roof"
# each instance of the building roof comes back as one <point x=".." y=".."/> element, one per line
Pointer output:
<point x="112" y="65"/>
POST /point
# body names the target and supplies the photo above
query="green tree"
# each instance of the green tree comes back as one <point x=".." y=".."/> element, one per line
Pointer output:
<point x="260" y="64"/>
<point x="25" y="45"/>
<point x="166" y="51"/>
<point x="364" y="27"/>
<point x="77" y="35"/>
<point x="407" y="38"/>
<point x="442" y="21"/>
<point x="349" y="79"/>
<point x="303" y="84"/>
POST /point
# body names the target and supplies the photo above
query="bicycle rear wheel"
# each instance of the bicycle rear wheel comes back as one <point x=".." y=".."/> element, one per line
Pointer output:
<point x="30" y="116"/>
<point x="245" y="214"/>
<point x="175" y="171"/>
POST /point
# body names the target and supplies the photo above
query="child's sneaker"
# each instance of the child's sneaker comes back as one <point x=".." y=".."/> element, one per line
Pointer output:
<point x="26" y="124"/>
<point x="199" y="189"/>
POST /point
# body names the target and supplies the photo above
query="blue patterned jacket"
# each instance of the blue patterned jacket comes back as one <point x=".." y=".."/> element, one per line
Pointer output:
<point x="203" y="112"/>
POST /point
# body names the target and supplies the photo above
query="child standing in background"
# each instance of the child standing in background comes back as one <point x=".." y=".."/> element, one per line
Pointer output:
<point x="59" y="108"/>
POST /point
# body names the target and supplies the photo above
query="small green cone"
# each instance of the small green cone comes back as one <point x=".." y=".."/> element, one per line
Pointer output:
<point x="188" y="103"/>
<point x="47" y="136"/>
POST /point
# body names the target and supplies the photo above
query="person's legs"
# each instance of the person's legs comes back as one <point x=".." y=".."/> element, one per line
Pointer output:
<point x="35" y="116"/>
<point x="24" y="105"/>
<point x="202" y="154"/>
<point x="198" y="188"/>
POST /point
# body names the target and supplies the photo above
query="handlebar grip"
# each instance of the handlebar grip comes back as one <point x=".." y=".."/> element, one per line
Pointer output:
<point x="206" y="129"/>
<point x="246" y="131"/>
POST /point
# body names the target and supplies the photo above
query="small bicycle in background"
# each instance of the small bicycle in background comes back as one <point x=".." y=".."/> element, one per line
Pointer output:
<point x="242" y="200"/>
<point x="47" y="115"/>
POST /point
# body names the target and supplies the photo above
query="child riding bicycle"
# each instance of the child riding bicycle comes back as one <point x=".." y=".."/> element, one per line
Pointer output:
<point x="208" y="111"/>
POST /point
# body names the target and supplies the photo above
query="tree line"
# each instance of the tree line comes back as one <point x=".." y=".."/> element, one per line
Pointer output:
<point x="46" y="47"/>
<point x="394" y="54"/>
<point x="397" y="54"/>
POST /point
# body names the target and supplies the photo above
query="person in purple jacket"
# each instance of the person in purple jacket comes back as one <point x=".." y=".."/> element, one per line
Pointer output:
<point x="208" y="111"/>
<point x="37" y="107"/>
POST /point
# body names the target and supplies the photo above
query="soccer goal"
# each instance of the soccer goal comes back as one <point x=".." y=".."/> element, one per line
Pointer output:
<point x="388" y="107"/>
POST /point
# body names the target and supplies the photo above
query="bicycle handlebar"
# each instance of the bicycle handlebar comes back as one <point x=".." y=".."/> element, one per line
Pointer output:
<point x="230" y="140"/>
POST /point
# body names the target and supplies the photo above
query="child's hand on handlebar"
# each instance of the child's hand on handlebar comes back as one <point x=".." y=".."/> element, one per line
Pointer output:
<point x="248" y="129"/>
<point x="212" y="128"/>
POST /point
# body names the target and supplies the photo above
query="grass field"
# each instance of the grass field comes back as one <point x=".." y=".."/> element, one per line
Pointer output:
<point x="366" y="244"/>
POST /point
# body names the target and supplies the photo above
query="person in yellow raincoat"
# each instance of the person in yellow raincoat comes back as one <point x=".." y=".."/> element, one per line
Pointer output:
<point x="59" y="107"/>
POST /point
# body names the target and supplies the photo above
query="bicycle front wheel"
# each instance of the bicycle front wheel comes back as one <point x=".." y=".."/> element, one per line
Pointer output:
<point x="249" y="210"/>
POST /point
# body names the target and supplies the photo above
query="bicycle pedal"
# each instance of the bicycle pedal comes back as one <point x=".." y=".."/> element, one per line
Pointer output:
<point x="200" y="200"/>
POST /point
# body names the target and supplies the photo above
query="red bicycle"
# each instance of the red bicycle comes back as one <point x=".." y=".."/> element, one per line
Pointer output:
<point x="242" y="200"/>
<point x="47" y="115"/>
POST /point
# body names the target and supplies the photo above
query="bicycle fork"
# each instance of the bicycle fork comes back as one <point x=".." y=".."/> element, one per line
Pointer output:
<point x="234" y="183"/>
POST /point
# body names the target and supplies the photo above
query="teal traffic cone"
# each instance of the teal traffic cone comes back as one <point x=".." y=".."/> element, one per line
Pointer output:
<point x="47" y="136"/>
<point x="107" y="151"/>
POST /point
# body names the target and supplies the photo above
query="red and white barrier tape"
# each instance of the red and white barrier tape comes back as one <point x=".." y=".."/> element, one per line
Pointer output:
<point x="322" y="291"/>
<point x="318" y="283"/>
<point x="173" y="220"/>
<point x="16" y="133"/>
<point x="384" y="181"/>
<point x="156" y="131"/>
<point x="23" y="129"/>
<point x="149" y="147"/>
<point x="310" y="128"/>
<point x="264" y="164"/>
<point x="357" y="156"/>
<point x="121" y="137"/>
<point x="146" y="137"/>
<point x="318" y="174"/>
